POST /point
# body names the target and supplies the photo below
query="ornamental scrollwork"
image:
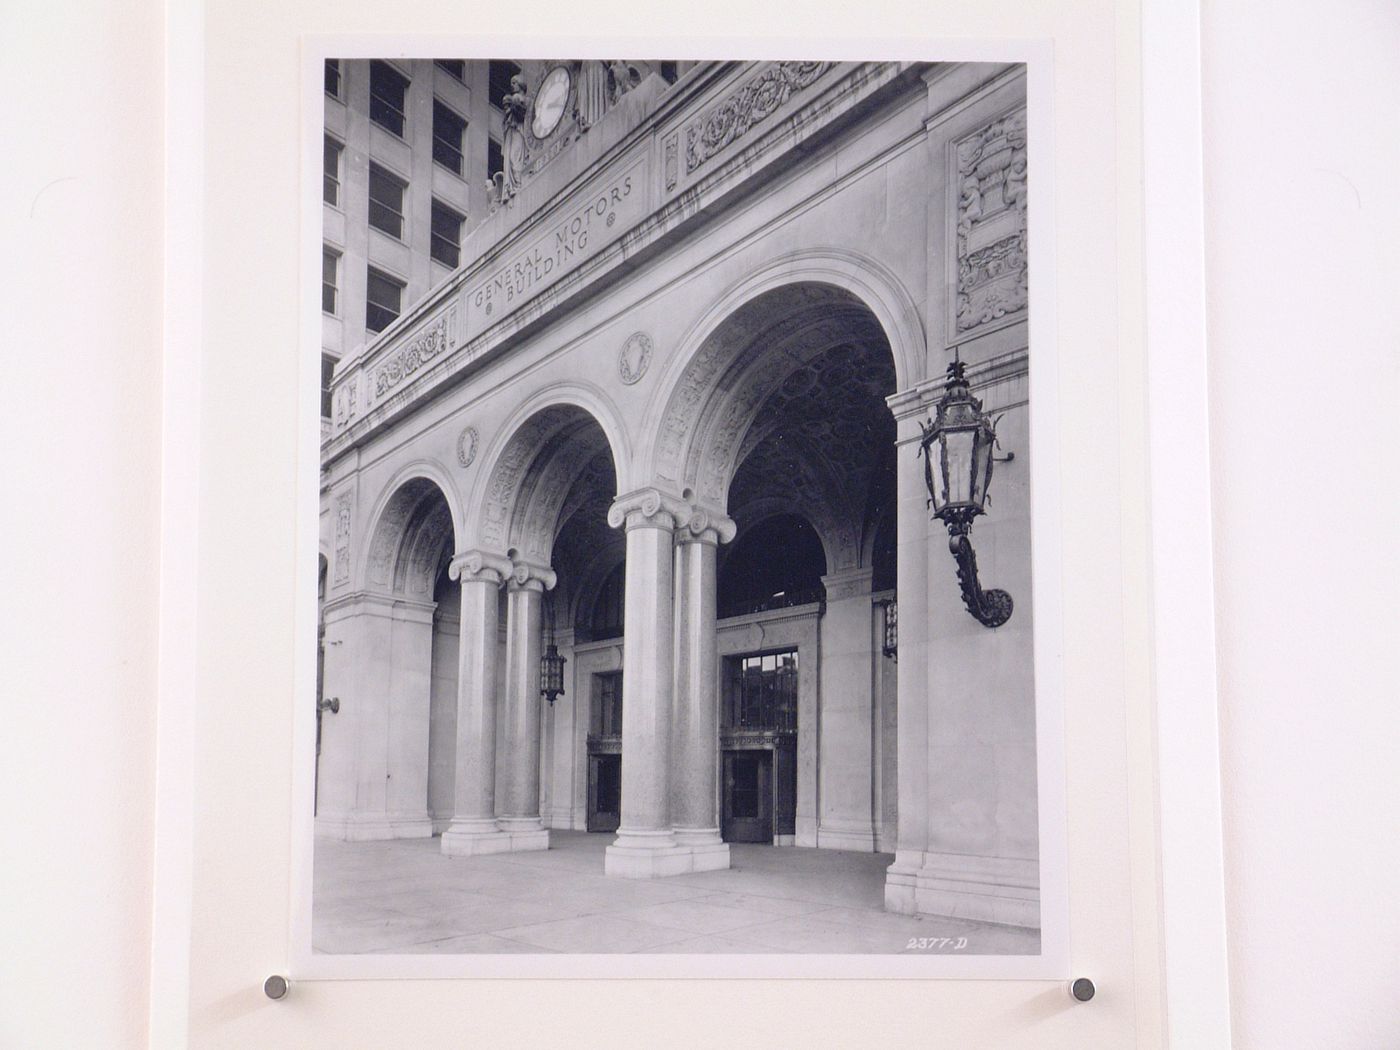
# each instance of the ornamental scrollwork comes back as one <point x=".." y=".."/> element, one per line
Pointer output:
<point x="424" y="347"/>
<point x="757" y="100"/>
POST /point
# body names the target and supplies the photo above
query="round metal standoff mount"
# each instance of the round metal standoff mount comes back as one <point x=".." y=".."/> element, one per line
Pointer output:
<point x="276" y="987"/>
<point x="1081" y="989"/>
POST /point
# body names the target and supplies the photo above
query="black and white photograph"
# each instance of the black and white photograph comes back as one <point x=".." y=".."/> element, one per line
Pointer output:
<point x="675" y="581"/>
<point x="796" y="538"/>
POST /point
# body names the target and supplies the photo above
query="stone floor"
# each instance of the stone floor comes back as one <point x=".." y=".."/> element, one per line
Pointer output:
<point x="405" y="897"/>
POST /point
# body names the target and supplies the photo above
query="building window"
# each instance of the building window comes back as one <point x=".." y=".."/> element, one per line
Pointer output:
<point x="453" y="67"/>
<point x="330" y="180"/>
<point x="383" y="300"/>
<point x="388" y="88"/>
<point x="607" y="704"/>
<point x="447" y="235"/>
<point x="448" y="129"/>
<point x="495" y="161"/>
<point x="498" y="81"/>
<point x="330" y="264"/>
<point x="333" y="77"/>
<point x="386" y="201"/>
<point x="670" y="72"/>
<point x="761" y="692"/>
<point x="327" y="372"/>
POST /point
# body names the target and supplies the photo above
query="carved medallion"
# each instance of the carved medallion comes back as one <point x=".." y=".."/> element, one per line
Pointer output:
<point x="467" y="441"/>
<point x="632" y="362"/>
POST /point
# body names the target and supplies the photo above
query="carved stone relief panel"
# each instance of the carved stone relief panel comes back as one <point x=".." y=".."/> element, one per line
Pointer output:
<point x="991" y="254"/>
<point x="758" y="99"/>
<point x="343" y="523"/>
<point x="424" y="346"/>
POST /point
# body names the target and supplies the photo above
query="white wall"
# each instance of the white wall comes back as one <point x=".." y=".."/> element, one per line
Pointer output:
<point x="1302" y="126"/>
<point x="80" y="338"/>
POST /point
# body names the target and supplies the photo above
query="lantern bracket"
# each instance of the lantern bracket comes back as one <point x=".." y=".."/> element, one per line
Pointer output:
<point x="990" y="608"/>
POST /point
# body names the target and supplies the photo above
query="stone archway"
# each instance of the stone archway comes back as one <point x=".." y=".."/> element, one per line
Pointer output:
<point x="782" y="407"/>
<point x="541" y="508"/>
<point x="376" y="777"/>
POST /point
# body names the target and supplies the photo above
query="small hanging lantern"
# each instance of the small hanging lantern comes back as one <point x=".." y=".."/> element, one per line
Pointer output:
<point x="957" y="448"/>
<point x="551" y="663"/>
<point x="891" y="646"/>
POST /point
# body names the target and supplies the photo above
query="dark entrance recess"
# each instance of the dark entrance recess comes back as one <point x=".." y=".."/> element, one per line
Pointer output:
<point x="604" y="792"/>
<point x="748" y="796"/>
<point x="605" y="754"/>
<point x="758" y="741"/>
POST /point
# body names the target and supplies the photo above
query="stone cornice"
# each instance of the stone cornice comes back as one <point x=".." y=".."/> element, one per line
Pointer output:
<point x="918" y="399"/>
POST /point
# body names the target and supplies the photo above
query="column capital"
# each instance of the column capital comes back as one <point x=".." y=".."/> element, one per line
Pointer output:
<point x="707" y="525"/>
<point x="653" y="508"/>
<point x="530" y="576"/>
<point x="648" y="508"/>
<point x="478" y="566"/>
<point x="847" y="583"/>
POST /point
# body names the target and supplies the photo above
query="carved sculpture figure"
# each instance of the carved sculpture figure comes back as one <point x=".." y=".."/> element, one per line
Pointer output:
<point x="517" y="103"/>
<point x="623" y="76"/>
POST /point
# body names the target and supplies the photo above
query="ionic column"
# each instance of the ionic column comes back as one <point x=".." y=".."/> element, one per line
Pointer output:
<point x="645" y="846"/>
<point x="474" y="810"/>
<point x="519" y="809"/>
<point x="695" y="730"/>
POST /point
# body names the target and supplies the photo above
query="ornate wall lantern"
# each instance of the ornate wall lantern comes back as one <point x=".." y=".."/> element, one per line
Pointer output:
<point x="551" y="663"/>
<point x="957" y="449"/>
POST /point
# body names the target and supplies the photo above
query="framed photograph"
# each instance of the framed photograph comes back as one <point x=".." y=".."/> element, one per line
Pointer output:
<point x="681" y="516"/>
<point x="652" y="636"/>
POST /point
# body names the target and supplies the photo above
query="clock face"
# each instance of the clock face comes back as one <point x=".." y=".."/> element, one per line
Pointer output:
<point x="550" y="101"/>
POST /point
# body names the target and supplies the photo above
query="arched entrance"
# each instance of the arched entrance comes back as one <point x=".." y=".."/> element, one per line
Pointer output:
<point x="777" y="429"/>
<point x="799" y="434"/>
<point x="540" y="526"/>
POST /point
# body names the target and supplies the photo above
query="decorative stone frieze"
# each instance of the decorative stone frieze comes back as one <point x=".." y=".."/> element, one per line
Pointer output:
<point x="425" y="345"/>
<point x="992" y="258"/>
<point x="756" y="101"/>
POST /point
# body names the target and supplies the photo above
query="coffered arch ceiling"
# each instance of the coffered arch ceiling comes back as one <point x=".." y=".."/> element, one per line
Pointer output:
<point x="411" y="540"/>
<point x="527" y="497"/>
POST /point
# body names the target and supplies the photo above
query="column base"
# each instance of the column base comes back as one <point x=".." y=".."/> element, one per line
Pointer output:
<point x="659" y="854"/>
<point x="373" y="827"/>
<point x="982" y="889"/>
<point x="474" y="838"/>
